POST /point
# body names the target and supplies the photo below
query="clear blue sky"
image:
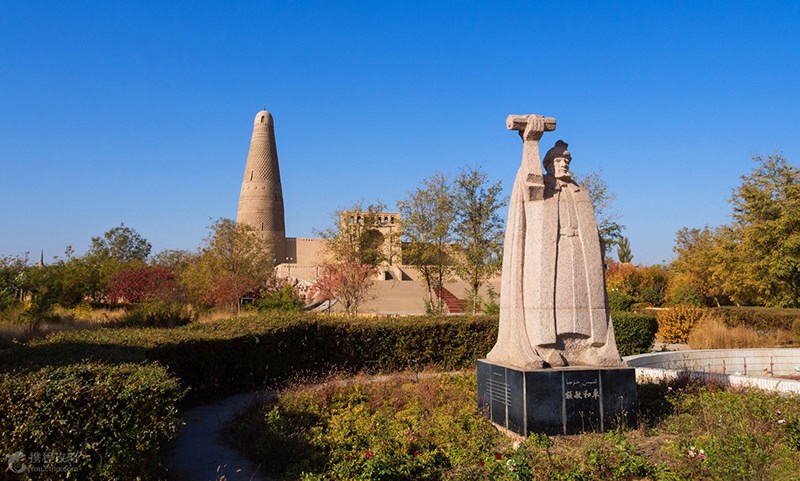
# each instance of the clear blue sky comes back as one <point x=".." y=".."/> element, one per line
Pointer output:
<point x="141" y="112"/>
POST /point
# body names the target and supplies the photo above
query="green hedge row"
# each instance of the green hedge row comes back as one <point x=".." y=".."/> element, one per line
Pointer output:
<point x="634" y="332"/>
<point x="226" y="356"/>
<point x="88" y="421"/>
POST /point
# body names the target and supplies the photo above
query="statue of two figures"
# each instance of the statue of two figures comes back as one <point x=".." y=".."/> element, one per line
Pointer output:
<point x="553" y="305"/>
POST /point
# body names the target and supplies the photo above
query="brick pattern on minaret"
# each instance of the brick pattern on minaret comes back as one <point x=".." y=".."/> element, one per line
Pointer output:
<point x="261" y="197"/>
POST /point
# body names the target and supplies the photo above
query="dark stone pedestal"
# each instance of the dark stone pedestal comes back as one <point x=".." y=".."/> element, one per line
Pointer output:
<point x="565" y="400"/>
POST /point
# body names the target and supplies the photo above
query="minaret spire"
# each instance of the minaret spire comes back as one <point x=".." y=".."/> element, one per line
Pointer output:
<point x="261" y="197"/>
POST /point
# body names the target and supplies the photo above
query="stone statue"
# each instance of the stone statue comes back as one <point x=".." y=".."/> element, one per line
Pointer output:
<point x="553" y="305"/>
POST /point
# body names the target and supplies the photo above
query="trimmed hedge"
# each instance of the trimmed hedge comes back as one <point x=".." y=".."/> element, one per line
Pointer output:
<point x="246" y="352"/>
<point x="634" y="333"/>
<point x="242" y="353"/>
<point x="89" y="421"/>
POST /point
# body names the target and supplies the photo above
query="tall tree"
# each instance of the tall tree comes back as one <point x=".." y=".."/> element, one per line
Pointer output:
<point x="427" y="216"/>
<point x="122" y="244"/>
<point x="478" y="230"/>
<point x="233" y="261"/>
<point x="766" y="224"/>
<point x="117" y="249"/>
<point x="624" y="253"/>
<point x="603" y="203"/>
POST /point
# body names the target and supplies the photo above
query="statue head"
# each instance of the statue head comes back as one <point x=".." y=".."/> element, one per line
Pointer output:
<point x="556" y="161"/>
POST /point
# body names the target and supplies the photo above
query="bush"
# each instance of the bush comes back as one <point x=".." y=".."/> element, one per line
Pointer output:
<point x="157" y="314"/>
<point x="635" y="333"/>
<point x="286" y="298"/>
<point x="675" y="324"/>
<point x="104" y="422"/>
<point x="619" y="301"/>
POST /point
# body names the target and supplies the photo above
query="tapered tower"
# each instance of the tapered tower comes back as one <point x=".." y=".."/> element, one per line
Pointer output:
<point x="261" y="198"/>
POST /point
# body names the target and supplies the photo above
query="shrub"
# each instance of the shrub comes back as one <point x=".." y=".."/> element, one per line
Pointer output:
<point x="619" y="301"/>
<point x="157" y="314"/>
<point x="107" y="421"/>
<point x="634" y="333"/>
<point x="675" y="324"/>
<point x="284" y="298"/>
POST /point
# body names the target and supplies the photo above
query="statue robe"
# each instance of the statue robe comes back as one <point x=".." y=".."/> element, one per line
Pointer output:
<point x="552" y="289"/>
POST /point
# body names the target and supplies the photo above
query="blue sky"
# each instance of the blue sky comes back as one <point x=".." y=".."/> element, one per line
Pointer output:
<point x="141" y="112"/>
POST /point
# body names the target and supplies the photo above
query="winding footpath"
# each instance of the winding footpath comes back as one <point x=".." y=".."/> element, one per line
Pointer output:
<point x="198" y="454"/>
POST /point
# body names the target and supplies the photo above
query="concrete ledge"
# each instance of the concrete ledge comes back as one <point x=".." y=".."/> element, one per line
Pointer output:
<point x="760" y="368"/>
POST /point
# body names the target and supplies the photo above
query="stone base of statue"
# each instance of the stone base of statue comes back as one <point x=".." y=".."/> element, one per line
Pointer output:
<point x="566" y="400"/>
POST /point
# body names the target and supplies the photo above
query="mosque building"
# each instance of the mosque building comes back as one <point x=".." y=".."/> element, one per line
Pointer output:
<point x="397" y="289"/>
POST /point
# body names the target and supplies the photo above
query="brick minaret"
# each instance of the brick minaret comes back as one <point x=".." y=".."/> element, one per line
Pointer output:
<point x="261" y="198"/>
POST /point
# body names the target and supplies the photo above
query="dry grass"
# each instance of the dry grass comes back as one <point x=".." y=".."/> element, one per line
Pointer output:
<point x="215" y="315"/>
<point x="711" y="333"/>
<point x="62" y="319"/>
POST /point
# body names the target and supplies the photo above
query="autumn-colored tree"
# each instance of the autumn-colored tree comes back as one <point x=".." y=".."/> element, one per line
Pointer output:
<point x="346" y="282"/>
<point x="233" y="261"/>
<point x="427" y="216"/>
<point x="642" y="284"/>
<point x="695" y="272"/>
<point x="355" y="247"/>
<point x="139" y="284"/>
<point x="117" y="249"/>
<point x="478" y="230"/>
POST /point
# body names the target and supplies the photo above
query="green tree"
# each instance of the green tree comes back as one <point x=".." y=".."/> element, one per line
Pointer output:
<point x="12" y="270"/>
<point x="755" y="259"/>
<point x="624" y="253"/>
<point x="478" y="230"/>
<point x="603" y="203"/>
<point x="233" y="261"/>
<point x="117" y="249"/>
<point x="121" y="244"/>
<point x="427" y="216"/>
<point x="766" y="231"/>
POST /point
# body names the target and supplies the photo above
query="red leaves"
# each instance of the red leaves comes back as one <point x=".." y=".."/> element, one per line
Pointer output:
<point x="143" y="284"/>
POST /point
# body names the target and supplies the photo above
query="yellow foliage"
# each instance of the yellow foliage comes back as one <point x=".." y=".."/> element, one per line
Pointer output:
<point x="675" y="324"/>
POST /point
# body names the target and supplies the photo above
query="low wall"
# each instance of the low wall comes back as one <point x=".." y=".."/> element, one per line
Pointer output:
<point x="760" y="368"/>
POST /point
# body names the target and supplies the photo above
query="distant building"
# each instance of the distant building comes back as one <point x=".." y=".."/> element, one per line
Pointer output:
<point x="261" y="206"/>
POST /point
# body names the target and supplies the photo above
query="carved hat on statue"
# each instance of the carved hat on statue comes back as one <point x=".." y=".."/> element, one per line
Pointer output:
<point x="558" y="151"/>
